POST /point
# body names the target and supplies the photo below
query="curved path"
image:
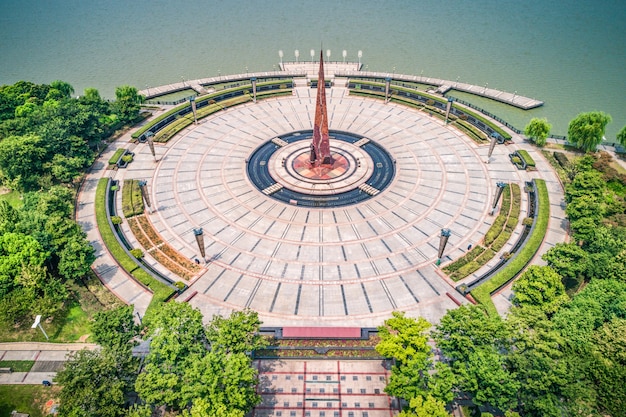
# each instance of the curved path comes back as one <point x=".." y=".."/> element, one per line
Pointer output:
<point x="302" y="266"/>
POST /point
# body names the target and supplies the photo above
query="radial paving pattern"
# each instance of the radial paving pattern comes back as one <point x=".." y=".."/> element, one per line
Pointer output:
<point x="312" y="265"/>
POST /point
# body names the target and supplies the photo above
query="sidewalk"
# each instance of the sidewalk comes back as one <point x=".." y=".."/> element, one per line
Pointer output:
<point x="48" y="357"/>
<point x="106" y="268"/>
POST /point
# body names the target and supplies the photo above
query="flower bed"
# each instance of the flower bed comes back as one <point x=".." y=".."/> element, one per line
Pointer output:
<point x="132" y="202"/>
<point x="160" y="250"/>
<point x="319" y="353"/>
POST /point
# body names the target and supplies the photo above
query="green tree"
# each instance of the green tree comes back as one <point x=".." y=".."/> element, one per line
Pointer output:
<point x="127" y="103"/>
<point x="238" y="333"/>
<point x="180" y="371"/>
<point x="18" y="251"/>
<point x="21" y="160"/>
<point x="538" y="130"/>
<point x="177" y="342"/>
<point x="75" y="257"/>
<point x="115" y="329"/>
<point x="587" y="129"/>
<point x="425" y="407"/>
<point x="227" y="381"/>
<point x="570" y="261"/>
<point x="59" y="90"/>
<point x="621" y="136"/>
<point x="608" y="365"/>
<point x="540" y="287"/>
<point x="95" y="383"/>
<point x="405" y="339"/>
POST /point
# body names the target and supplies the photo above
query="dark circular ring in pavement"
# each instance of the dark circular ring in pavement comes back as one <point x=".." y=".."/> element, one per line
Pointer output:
<point x="362" y="169"/>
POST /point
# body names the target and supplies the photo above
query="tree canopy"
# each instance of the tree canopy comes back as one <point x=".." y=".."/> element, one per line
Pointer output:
<point x="200" y="371"/>
<point x="538" y="130"/>
<point x="587" y="129"/>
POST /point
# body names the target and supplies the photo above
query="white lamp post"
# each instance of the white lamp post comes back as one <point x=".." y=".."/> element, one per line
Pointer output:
<point x="312" y="54"/>
<point x="360" y="55"/>
<point x="280" y="54"/>
<point x="297" y="54"/>
<point x="344" y="54"/>
<point x="38" y="323"/>
<point x="328" y="54"/>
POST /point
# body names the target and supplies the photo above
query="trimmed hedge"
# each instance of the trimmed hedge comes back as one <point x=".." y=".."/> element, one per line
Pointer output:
<point x="116" y="156"/>
<point x="482" y="294"/>
<point x="469" y="256"/>
<point x="526" y="158"/>
<point x="247" y="88"/>
<point x="561" y="158"/>
<point x="132" y="202"/>
<point x="396" y="88"/>
<point x="160" y="291"/>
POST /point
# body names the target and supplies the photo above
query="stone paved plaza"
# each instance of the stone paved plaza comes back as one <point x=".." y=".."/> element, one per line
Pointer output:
<point x="351" y="265"/>
<point x="313" y="388"/>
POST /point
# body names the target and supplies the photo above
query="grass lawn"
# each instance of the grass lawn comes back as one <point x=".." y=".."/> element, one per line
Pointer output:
<point x="73" y="323"/>
<point x="29" y="399"/>
<point x="17" y="366"/>
<point x="12" y="197"/>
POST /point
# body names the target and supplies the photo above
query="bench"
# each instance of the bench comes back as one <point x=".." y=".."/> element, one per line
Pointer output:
<point x="5" y="370"/>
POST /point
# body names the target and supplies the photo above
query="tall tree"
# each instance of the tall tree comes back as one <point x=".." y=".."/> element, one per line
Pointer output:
<point x="405" y="339"/>
<point x="587" y="129"/>
<point x="127" y="103"/>
<point x="238" y="333"/>
<point x="570" y="261"/>
<point x="538" y="130"/>
<point x="115" y="329"/>
<point x="95" y="383"/>
<point x="21" y="161"/>
<point x="540" y="287"/>
<point x="621" y="136"/>
<point x="177" y="341"/>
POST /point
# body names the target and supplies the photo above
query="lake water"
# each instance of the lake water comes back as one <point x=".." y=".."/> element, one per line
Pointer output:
<point x="570" y="54"/>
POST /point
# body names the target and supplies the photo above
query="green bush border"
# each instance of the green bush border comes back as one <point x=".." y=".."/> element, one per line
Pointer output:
<point x="392" y="87"/>
<point x="116" y="156"/>
<point x="211" y="96"/>
<point x="530" y="162"/>
<point x="159" y="290"/>
<point x="496" y="237"/>
<point x="132" y="201"/>
<point x="482" y="294"/>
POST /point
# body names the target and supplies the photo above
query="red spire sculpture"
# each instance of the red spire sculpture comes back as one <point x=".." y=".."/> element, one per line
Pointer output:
<point x="320" y="147"/>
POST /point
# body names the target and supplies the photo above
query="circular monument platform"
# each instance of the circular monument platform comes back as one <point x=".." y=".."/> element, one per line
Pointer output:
<point x="310" y="258"/>
<point x="281" y="168"/>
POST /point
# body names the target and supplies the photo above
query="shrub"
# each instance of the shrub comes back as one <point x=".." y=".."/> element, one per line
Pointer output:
<point x="179" y="285"/>
<point x="116" y="220"/>
<point x="127" y="158"/>
<point x="469" y="256"/>
<point x="526" y="158"/>
<point x="561" y="158"/>
<point x="116" y="156"/>
<point x="516" y="160"/>
<point x="137" y="253"/>
<point x="495" y="229"/>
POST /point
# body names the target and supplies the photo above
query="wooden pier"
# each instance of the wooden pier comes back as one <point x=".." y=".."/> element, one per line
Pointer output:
<point x="308" y="70"/>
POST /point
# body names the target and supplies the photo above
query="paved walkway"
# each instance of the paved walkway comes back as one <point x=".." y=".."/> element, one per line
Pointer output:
<point x="106" y="268"/>
<point x="305" y="267"/>
<point x="318" y="267"/>
<point x="48" y="357"/>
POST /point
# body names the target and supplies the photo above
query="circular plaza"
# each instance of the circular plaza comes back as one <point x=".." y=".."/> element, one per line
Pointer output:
<point x="312" y="264"/>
